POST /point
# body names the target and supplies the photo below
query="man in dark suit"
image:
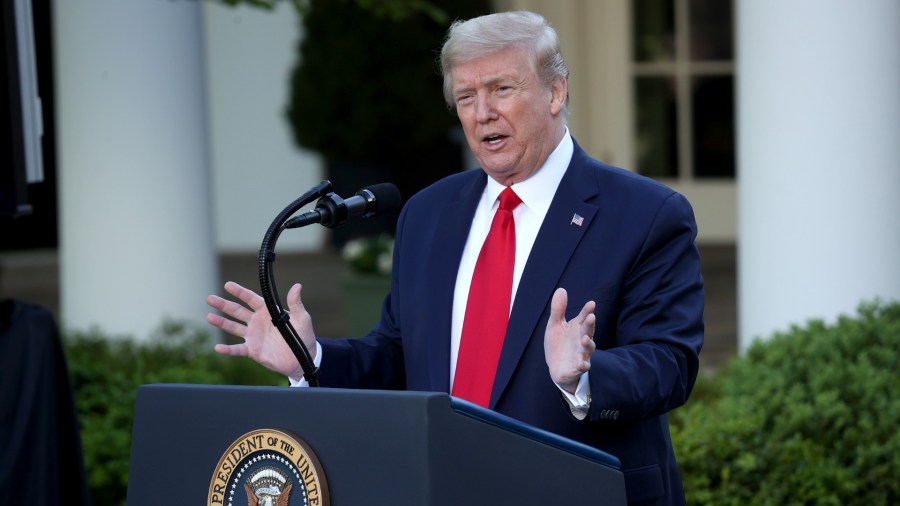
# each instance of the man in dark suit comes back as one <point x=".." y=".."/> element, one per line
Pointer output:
<point x="605" y="297"/>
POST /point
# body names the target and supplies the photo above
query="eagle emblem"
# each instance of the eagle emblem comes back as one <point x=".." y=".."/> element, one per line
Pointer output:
<point x="268" y="487"/>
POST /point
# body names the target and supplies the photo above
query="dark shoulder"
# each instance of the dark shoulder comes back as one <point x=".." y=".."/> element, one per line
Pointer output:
<point x="610" y="178"/>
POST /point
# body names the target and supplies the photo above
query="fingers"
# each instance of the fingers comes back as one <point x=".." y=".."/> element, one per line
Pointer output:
<point x="247" y="296"/>
<point x="588" y="325"/>
<point x="588" y="345"/>
<point x="239" y="315"/>
<point x="587" y="310"/>
<point x="584" y="366"/>
<point x="293" y="297"/>
<point x="585" y="318"/>
<point x="558" y="306"/>
<point x="234" y="310"/>
<point x="231" y="308"/>
<point x="232" y="327"/>
<point x="232" y="350"/>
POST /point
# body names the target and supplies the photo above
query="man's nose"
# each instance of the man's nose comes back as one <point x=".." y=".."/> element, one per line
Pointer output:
<point x="484" y="109"/>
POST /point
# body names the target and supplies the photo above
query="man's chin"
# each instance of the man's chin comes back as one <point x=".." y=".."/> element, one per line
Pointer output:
<point x="504" y="175"/>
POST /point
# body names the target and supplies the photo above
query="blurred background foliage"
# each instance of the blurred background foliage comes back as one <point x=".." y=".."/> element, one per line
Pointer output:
<point x="808" y="417"/>
<point x="105" y="372"/>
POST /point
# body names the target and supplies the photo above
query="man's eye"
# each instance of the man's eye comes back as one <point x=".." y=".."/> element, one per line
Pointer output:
<point x="464" y="99"/>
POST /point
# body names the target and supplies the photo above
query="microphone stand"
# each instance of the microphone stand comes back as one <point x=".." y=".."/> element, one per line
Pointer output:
<point x="280" y="316"/>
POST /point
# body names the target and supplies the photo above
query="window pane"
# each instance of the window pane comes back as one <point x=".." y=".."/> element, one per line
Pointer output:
<point x="656" y="144"/>
<point x="654" y="30"/>
<point x="713" y="128"/>
<point x="711" y="30"/>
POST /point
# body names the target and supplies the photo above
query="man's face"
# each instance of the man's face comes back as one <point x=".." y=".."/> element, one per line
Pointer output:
<point x="512" y="121"/>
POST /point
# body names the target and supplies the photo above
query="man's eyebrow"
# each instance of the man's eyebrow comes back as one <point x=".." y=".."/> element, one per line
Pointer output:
<point x="462" y="90"/>
<point x="499" y="79"/>
<point x="489" y="82"/>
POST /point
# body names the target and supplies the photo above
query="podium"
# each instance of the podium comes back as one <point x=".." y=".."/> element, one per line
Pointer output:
<point x="372" y="447"/>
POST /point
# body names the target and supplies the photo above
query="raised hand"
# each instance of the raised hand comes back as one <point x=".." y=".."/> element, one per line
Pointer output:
<point x="568" y="345"/>
<point x="251" y="322"/>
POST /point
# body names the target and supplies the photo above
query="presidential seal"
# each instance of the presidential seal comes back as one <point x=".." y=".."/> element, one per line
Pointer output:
<point x="268" y="467"/>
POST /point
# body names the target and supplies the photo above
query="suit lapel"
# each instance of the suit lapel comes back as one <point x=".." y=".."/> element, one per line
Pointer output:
<point x="453" y="222"/>
<point x="557" y="239"/>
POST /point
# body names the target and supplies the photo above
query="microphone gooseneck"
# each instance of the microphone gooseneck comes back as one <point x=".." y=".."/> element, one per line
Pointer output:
<point x="280" y="317"/>
<point x="331" y="211"/>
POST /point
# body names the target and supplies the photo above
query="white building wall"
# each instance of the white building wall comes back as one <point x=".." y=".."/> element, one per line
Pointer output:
<point x="135" y="236"/>
<point x="256" y="168"/>
<point x="819" y="123"/>
<point x="149" y="194"/>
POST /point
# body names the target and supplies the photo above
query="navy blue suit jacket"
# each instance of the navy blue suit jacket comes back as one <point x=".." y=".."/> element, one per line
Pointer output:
<point x="633" y="254"/>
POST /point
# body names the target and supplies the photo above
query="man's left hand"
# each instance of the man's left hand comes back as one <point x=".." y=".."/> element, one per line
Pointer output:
<point x="568" y="345"/>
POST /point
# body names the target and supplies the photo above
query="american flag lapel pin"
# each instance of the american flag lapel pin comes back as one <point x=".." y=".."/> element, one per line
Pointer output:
<point x="577" y="219"/>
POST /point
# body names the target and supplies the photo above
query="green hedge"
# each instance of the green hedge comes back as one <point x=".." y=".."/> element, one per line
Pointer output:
<point x="808" y="417"/>
<point x="811" y="416"/>
<point x="105" y="373"/>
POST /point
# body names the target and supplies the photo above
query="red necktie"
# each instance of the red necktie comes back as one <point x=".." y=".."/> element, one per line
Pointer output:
<point x="487" y="310"/>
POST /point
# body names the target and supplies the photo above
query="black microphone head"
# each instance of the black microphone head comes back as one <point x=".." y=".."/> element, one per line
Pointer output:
<point x="384" y="196"/>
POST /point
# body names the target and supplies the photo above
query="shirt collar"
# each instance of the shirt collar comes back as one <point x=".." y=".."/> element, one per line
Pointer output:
<point x="537" y="191"/>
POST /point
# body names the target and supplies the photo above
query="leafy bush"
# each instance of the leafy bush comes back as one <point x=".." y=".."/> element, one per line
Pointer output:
<point x="808" y="417"/>
<point x="105" y="373"/>
<point x="370" y="255"/>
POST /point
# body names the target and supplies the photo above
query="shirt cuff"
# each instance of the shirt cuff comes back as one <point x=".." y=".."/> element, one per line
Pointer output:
<point x="316" y="362"/>
<point x="579" y="402"/>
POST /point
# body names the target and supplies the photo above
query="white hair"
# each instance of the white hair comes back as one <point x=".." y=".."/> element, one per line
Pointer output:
<point x="477" y="37"/>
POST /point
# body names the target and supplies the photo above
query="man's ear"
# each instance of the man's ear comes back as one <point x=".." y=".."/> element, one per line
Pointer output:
<point x="559" y="95"/>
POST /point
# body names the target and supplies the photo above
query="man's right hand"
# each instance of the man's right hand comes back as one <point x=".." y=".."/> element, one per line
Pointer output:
<point x="252" y="323"/>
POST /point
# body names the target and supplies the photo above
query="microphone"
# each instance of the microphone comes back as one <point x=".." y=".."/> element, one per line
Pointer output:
<point x="331" y="210"/>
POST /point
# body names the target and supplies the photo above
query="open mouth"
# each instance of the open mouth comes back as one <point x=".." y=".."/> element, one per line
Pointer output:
<point x="494" y="139"/>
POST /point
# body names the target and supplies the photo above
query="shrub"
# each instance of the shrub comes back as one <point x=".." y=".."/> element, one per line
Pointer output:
<point x="370" y="255"/>
<point x="105" y="373"/>
<point x="808" y="417"/>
